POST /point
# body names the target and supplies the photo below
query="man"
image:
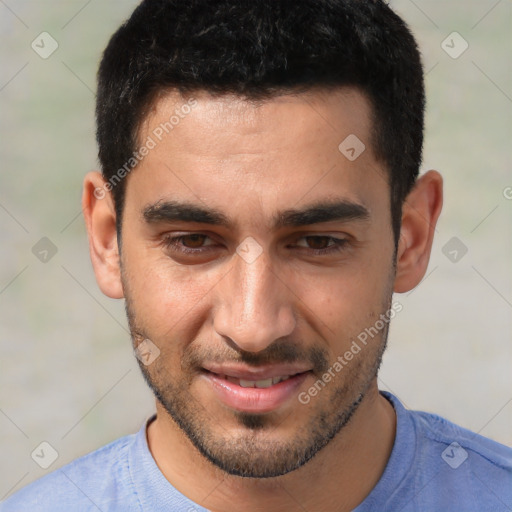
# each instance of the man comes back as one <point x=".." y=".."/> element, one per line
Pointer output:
<point x="259" y="203"/>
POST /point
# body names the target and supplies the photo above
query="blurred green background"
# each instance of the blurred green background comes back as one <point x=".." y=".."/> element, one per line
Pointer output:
<point x="67" y="373"/>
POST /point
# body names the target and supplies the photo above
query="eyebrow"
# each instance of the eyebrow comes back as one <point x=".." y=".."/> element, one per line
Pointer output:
<point x="323" y="211"/>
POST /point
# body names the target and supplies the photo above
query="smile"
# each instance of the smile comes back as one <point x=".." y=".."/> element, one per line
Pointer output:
<point x="256" y="395"/>
<point x="262" y="384"/>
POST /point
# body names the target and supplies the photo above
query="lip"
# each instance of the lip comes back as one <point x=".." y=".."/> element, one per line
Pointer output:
<point x="255" y="400"/>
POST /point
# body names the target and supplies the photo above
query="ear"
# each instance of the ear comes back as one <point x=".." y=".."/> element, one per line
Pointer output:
<point x="100" y="220"/>
<point x="420" y="212"/>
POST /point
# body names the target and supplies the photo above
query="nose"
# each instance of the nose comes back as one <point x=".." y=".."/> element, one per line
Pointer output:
<point x="255" y="306"/>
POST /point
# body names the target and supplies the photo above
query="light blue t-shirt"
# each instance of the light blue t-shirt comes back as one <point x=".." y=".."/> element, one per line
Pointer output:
<point x="434" y="466"/>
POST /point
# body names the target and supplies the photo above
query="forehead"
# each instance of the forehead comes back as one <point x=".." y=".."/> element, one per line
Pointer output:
<point x="294" y="117"/>
<point x="229" y="152"/>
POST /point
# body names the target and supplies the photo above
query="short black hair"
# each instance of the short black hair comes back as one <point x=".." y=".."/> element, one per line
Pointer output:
<point x="259" y="49"/>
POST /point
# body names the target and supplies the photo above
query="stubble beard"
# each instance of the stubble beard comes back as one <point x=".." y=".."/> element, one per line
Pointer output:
<point x="253" y="452"/>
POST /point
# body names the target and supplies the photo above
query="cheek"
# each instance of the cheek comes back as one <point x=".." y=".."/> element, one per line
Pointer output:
<point x="344" y="301"/>
<point x="168" y="299"/>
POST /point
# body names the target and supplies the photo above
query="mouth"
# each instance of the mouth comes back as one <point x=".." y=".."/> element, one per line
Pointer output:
<point x="260" y="390"/>
<point x="260" y="384"/>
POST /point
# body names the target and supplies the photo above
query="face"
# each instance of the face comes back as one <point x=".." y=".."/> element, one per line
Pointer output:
<point x="254" y="256"/>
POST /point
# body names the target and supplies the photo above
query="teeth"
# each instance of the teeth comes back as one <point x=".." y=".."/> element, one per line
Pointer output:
<point x="265" y="383"/>
<point x="261" y="384"/>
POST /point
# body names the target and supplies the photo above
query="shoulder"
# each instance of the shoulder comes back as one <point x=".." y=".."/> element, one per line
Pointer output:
<point x="438" y="465"/>
<point x="90" y="482"/>
<point x="464" y="443"/>
<point x="457" y="466"/>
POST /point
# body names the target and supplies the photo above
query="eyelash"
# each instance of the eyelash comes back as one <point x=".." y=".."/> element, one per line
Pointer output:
<point x="172" y="243"/>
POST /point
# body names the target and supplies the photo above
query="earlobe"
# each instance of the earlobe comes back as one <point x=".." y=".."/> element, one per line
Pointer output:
<point x="100" y="219"/>
<point x="420" y="212"/>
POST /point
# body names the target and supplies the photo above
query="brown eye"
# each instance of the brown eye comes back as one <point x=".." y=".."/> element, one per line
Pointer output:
<point x="318" y="242"/>
<point x="193" y="241"/>
<point x="190" y="243"/>
<point x="321" y="244"/>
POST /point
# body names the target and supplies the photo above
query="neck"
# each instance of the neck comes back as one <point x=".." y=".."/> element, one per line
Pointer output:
<point x="338" y="478"/>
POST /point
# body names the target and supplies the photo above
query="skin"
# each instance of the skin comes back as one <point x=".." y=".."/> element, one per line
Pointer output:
<point x="250" y="160"/>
